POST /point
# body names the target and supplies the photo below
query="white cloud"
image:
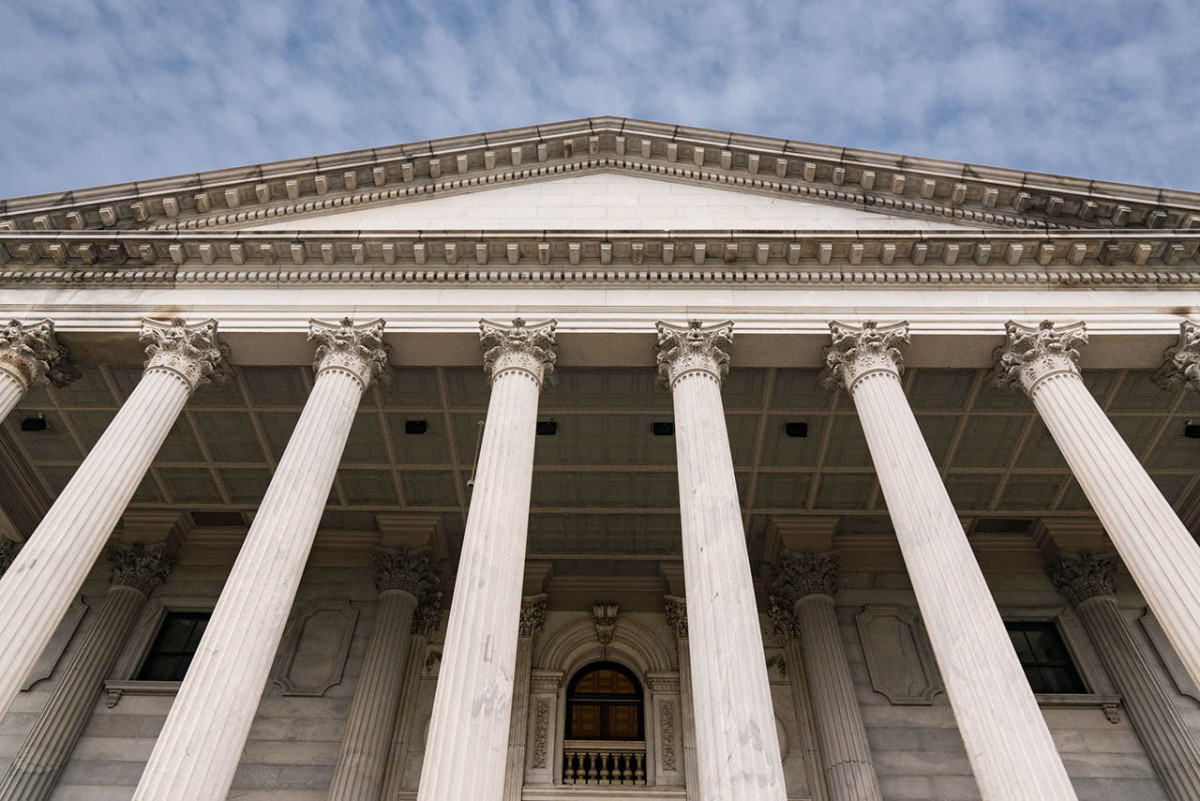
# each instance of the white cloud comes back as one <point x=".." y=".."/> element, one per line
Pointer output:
<point x="99" y="91"/>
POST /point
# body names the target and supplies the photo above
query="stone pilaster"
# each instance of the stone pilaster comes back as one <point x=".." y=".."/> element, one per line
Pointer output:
<point x="676" y="611"/>
<point x="736" y="741"/>
<point x="200" y="744"/>
<point x="404" y="579"/>
<point x="426" y="622"/>
<point x="1089" y="583"/>
<point x="136" y="571"/>
<point x="30" y="355"/>
<point x="807" y="583"/>
<point x="1181" y="361"/>
<point x="467" y="750"/>
<point x="533" y="617"/>
<point x="46" y="576"/>
<point x="1011" y="752"/>
<point x="1156" y="547"/>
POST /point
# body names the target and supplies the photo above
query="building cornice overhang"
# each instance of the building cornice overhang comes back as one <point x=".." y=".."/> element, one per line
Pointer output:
<point x="1065" y="258"/>
<point x="928" y="188"/>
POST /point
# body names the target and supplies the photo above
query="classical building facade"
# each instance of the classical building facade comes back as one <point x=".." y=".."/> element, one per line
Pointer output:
<point x="602" y="459"/>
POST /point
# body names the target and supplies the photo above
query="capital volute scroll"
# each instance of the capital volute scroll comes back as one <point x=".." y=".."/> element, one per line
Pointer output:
<point x="860" y="351"/>
<point x="1033" y="353"/>
<point x="526" y="348"/>
<point x="1181" y="361"/>
<point x="356" y="350"/>
<point x="1084" y="576"/>
<point x="533" y="614"/>
<point x="32" y="355"/>
<point x="694" y="348"/>
<point x="190" y="352"/>
<point x="409" y="571"/>
<point x="142" y="567"/>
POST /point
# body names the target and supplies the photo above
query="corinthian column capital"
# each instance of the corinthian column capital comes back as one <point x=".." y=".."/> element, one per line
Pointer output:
<point x="533" y="614"/>
<point x="676" y="611"/>
<point x="1181" y="366"/>
<point x="357" y="350"/>
<point x="859" y="351"/>
<point x="1034" y="353"/>
<point x="408" y="570"/>
<point x="782" y="616"/>
<point x="32" y="355"/>
<point x="143" y="567"/>
<point x="190" y="352"/>
<point x="693" y="348"/>
<point x="521" y="347"/>
<point x="804" y="573"/>
<point x="1084" y="576"/>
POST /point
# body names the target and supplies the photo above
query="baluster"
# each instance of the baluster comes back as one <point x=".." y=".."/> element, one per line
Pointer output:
<point x="592" y="773"/>
<point x="639" y="775"/>
<point x="569" y="768"/>
<point x="604" y="773"/>
<point x="627" y="768"/>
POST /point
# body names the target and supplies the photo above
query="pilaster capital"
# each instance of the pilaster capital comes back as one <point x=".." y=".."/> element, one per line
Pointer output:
<point x="8" y="552"/>
<point x="676" y="610"/>
<point x="428" y="617"/>
<point x="533" y="614"/>
<point x="859" y="351"/>
<point x="1032" y="354"/>
<point x="804" y="573"/>
<point x="31" y="354"/>
<point x="357" y="350"/>
<point x="528" y="348"/>
<point x="142" y="567"/>
<point x="1181" y="367"/>
<point x="782" y="615"/>
<point x="1083" y="576"/>
<point x="191" y="352"/>
<point x="693" y="348"/>
<point x="409" y="571"/>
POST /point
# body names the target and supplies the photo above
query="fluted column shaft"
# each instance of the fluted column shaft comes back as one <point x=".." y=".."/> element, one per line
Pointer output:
<point x="466" y="753"/>
<point x="358" y="775"/>
<point x="841" y="735"/>
<point x="46" y="576"/>
<point x="199" y="747"/>
<point x="736" y="739"/>
<point x="676" y="609"/>
<point x="402" y="733"/>
<point x="48" y="745"/>
<point x="533" y="615"/>
<point x="11" y="392"/>
<point x="1007" y="741"/>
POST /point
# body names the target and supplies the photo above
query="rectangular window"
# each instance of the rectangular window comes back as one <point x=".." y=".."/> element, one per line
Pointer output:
<point x="174" y="646"/>
<point x="1045" y="657"/>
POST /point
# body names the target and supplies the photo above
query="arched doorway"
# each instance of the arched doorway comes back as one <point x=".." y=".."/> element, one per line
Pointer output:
<point x="605" y="733"/>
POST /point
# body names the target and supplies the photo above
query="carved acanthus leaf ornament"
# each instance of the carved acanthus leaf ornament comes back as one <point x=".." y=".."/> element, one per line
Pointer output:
<point x="693" y="348"/>
<point x="191" y="352"/>
<point x="533" y="614"/>
<point x="409" y="571"/>
<point x="32" y="355"/>
<point x="784" y="625"/>
<point x="804" y="573"/>
<point x="143" y="567"/>
<point x="1032" y="354"/>
<point x="1181" y="367"/>
<point x="358" y="350"/>
<point x="859" y="351"/>
<point x="1084" y="576"/>
<point x="529" y="348"/>
<point x="676" y="611"/>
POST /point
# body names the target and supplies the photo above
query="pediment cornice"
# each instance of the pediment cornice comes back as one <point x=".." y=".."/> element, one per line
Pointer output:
<point x="988" y="197"/>
<point x="1064" y="258"/>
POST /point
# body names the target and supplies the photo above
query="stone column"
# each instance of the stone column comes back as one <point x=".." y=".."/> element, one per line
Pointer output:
<point x="8" y="552"/>
<point x="807" y="583"/>
<point x="1008" y="743"/>
<point x="46" y="576"/>
<point x="404" y="579"/>
<point x="533" y="617"/>
<point x="736" y="739"/>
<point x="200" y="744"/>
<point x="136" y="571"/>
<point x="30" y="355"/>
<point x="467" y="750"/>
<point x="426" y="622"/>
<point x="1154" y="544"/>
<point x="1090" y="585"/>
<point x="676" y="609"/>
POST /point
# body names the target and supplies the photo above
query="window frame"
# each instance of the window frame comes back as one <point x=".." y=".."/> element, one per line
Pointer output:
<point x="636" y="701"/>
<point x="123" y="679"/>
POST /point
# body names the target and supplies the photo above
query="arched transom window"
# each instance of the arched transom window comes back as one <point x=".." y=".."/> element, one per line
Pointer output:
<point x="604" y="702"/>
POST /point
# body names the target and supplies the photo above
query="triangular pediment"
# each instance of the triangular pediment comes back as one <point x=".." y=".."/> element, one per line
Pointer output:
<point x="602" y="201"/>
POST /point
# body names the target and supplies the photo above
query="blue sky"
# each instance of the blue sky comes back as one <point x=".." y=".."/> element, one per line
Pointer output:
<point x="97" y="92"/>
